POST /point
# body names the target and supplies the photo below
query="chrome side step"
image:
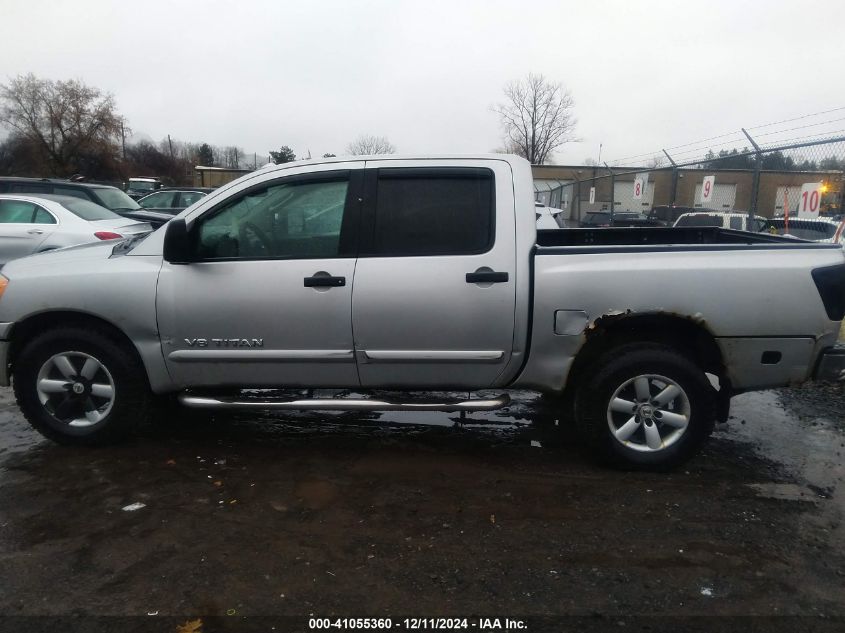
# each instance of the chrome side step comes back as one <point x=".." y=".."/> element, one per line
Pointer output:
<point x="341" y="404"/>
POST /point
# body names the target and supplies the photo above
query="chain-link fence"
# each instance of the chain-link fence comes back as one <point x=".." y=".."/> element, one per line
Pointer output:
<point x="803" y="179"/>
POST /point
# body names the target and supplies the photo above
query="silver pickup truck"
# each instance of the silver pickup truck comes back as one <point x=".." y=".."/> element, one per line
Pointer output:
<point x="389" y="275"/>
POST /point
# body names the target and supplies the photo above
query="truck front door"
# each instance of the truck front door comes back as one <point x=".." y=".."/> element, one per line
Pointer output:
<point x="434" y="294"/>
<point x="267" y="300"/>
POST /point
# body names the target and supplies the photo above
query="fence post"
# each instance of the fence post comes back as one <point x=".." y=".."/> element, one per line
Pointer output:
<point x="755" y="183"/>
<point x="612" y="192"/>
<point x="674" y="196"/>
<point x="572" y="216"/>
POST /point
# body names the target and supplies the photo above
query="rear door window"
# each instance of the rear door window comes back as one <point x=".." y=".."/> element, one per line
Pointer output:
<point x="442" y="211"/>
<point x="20" y="212"/>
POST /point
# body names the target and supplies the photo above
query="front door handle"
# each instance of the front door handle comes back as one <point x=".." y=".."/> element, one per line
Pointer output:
<point x="486" y="277"/>
<point x="324" y="281"/>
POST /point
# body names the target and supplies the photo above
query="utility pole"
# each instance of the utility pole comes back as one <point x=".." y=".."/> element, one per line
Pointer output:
<point x="170" y="144"/>
<point x="123" y="137"/>
<point x="612" y="192"/>
<point x="755" y="187"/>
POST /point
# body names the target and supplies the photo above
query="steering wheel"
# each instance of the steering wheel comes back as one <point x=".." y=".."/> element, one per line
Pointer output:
<point x="249" y="234"/>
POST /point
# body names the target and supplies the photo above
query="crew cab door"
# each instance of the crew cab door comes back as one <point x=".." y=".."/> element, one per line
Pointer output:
<point x="434" y="295"/>
<point x="268" y="301"/>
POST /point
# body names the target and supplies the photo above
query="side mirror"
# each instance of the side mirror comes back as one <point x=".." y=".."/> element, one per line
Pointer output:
<point x="177" y="242"/>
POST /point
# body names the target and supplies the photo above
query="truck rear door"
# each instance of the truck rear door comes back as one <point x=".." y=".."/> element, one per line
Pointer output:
<point x="434" y="294"/>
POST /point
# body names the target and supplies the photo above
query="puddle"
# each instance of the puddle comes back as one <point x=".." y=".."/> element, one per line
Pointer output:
<point x="809" y="449"/>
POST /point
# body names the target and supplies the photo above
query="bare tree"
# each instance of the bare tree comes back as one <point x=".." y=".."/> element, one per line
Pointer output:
<point x="536" y="117"/>
<point x="233" y="155"/>
<point x="367" y="145"/>
<point x="67" y="122"/>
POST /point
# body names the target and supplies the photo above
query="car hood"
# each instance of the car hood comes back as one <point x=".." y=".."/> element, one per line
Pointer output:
<point x="61" y="257"/>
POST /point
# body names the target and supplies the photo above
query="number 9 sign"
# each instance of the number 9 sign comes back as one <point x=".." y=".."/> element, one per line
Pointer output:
<point x="707" y="187"/>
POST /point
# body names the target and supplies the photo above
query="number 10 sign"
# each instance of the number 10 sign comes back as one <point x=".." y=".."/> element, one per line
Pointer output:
<point x="810" y="200"/>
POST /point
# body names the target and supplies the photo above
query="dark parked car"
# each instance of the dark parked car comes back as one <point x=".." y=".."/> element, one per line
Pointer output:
<point x="106" y="196"/>
<point x="668" y="214"/>
<point x="159" y="207"/>
<point x="620" y="218"/>
<point x="174" y="199"/>
<point x="137" y="188"/>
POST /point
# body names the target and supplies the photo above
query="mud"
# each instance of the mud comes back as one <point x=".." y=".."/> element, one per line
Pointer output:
<point x="426" y="514"/>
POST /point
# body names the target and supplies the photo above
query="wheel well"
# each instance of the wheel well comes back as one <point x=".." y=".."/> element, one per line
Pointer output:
<point x="25" y="330"/>
<point x="686" y="335"/>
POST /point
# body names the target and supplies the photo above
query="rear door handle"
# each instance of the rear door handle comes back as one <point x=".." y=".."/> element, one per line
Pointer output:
<point x="35" y="232"/>
<point x="486" y="277"/>
<point x="325" y="280"/>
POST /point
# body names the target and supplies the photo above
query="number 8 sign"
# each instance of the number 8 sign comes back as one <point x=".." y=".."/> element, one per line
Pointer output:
<point x="638" y="189"/>
<point x="707" y="187"/>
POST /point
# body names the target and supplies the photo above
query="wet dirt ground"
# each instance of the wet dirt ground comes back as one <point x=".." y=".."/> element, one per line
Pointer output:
<point x="420" y="514"/>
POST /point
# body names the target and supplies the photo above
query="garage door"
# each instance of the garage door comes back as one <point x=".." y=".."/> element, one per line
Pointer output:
<point x="623" y="197"/>
<point x="792" y="194"/>
<point x="724" y="197"/>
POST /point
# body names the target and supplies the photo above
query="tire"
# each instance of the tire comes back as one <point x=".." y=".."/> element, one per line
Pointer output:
<point x="81" y="386"/>
<point x="646" y="406"/>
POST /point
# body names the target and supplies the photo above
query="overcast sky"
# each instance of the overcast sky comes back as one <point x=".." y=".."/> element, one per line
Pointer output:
<point x="313" y="75"/>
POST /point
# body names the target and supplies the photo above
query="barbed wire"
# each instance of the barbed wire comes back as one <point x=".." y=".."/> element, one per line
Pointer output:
<point x="736" y="136"/>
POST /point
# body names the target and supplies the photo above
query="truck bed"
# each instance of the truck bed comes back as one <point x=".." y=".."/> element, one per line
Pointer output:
<point x="660" y="238"/>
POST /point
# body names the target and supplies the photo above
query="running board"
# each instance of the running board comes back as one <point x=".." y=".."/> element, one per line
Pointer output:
<point x="341" y="404"/>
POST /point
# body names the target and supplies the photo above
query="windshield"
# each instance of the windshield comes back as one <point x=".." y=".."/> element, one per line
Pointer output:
<point x="141" y="185"/>
<point x="701" y="219"/>
<point x="804" y="230"/>
<point x="87" y="210"/>
<point x="112" y="198"/>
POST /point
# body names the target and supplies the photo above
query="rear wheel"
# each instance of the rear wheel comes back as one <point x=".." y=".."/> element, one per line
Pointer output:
<point x="646" y="405"/>
<point x="80" y="386"/>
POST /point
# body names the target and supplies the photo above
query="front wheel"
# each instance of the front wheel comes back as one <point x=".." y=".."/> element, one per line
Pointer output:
<point x="646" y="405"/>
<point x="79" y="386"/>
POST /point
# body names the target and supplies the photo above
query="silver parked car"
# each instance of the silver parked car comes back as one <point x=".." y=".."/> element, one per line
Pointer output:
<point x="34" y="224"/>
